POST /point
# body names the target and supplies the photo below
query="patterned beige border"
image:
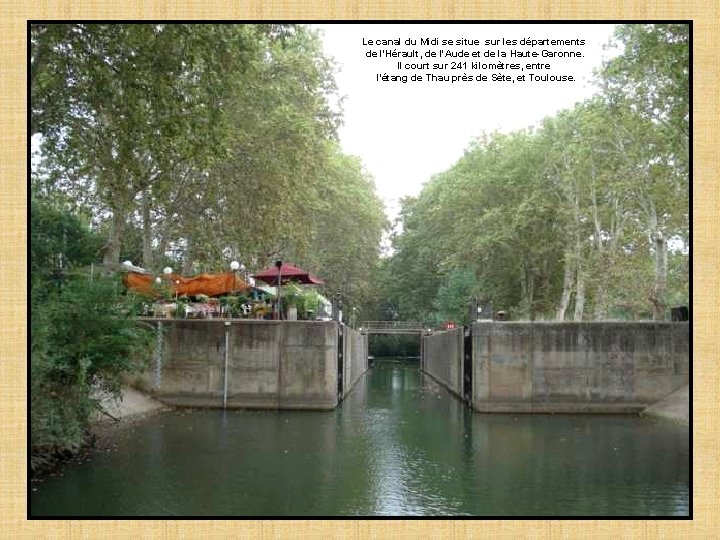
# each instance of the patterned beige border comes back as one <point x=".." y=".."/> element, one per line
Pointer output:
<point x="13" y="330"/>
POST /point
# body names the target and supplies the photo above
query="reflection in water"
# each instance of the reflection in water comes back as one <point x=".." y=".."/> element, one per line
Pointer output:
<point x="398" y="445"/>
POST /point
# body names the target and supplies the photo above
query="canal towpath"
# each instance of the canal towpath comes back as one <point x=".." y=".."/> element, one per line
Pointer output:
<point x="132" y="405"/>
<point x="675" y="406"/>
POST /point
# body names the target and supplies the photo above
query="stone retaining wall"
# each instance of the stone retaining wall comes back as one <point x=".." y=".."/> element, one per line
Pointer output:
<point x="251" y="363"/>
<point x="355" y="347"/>
<point x="577" y="367"/>
<point x="442" y="358"/>
<point x="563" y="367"/>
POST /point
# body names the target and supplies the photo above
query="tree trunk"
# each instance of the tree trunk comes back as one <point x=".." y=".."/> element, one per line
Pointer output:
<point x="579" y="270"/>
<point x="660" y="256"/>
<point x="567" y="286"/>
<point x="147" y="253"/>
<point x="657" y="298"/>
<point x="111" y="253"/>
<point x="600" y="308"/>
<point x="580" y="294"/>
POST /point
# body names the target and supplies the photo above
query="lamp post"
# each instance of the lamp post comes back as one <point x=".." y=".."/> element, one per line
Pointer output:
<point x="158" y="282"/>
<point x="278" y="265"/>
<point x="337" y="308"/>
<point x="167" y="271"/>
<point x="234" y="265"/>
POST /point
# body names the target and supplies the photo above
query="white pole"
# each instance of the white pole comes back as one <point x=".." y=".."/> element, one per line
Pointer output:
<point x="278" y="292"/>
<point x="227" y="353"/>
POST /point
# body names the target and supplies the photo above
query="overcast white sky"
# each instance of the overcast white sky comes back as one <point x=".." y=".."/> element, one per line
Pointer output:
<point x="405" y="133"/>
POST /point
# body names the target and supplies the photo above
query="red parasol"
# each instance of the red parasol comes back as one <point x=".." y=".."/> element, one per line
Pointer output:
<point x="287" y="273"/>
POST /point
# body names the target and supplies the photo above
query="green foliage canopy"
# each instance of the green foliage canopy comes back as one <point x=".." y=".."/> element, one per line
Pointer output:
<point x="572" y="218"/>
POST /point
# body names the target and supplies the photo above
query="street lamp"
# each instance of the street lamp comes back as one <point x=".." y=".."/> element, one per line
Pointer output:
<point x="337" y="308"/>
<point x="234" y="265"/>
<point x="278" y="265"/>
<point x="167" y="271"/>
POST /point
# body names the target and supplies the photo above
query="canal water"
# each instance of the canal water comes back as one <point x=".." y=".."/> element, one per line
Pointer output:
<point x="399" y="445"/>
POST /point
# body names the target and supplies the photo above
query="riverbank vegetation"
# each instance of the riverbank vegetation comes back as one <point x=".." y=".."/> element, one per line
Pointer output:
<point x="84" y="335"/>
<point x="182" y="145"/>
<point x="583" y="217"/>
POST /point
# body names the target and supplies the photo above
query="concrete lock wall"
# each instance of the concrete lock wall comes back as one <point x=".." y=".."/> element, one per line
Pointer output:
<point x="270" y="364"/>
<point x="442" y="358"/>
<point x="577" y="367"/>
<point x="355" y="353"/>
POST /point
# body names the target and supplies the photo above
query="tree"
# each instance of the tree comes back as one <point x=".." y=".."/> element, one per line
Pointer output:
<point x="84" y="336"/>
<point x="58" y="240"/>
<point x="574" y="217"/>
<point x="653" y="75"/>
<point x="452" y="300"/>
<point x="263" y="199"/>
<point x="347" y="227"/>
<point x="123" y="105"/>
<point x="649" y="82"/>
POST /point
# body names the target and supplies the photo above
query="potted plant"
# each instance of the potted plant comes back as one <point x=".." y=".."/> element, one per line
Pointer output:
<point x="260" y="310"/>
<point x="181" y="307"/>
<point x="233" y="305"/>
<point x="310" y="304"/>
<point x="292" y="298"/>
<point x="239" y="309"/>
<point x="224" y="309"/>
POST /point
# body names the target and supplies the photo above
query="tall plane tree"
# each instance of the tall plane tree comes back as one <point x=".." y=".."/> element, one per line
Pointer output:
<point x="120" y="105"/>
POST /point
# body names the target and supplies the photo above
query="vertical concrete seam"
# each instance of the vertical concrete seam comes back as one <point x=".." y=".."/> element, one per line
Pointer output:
<point x="461" y="360"/>
<point x="489" y="364"/>
<point x="158" y="356"/>
<point x="532" y="366"/>
<point x="281" y="344"/>
<point x="588" y="394"/>
<point x="225" y="366"/>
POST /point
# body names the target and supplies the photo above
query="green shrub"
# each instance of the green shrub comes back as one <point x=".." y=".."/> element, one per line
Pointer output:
<point x="310" y="303"/>
<point x="84" y="338"/>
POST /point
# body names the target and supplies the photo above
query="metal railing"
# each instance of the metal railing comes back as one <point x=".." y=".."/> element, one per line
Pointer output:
<point x="394" y="325"/>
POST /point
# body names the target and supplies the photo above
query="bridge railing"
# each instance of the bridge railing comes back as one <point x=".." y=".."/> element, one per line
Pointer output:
<point x="394" y="325"/>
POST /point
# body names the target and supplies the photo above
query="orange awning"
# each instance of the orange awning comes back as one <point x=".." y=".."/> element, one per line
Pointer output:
<point x="207" y="284"/>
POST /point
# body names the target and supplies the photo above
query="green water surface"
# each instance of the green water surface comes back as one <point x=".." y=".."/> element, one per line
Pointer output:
<point x="399" y="445"/>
